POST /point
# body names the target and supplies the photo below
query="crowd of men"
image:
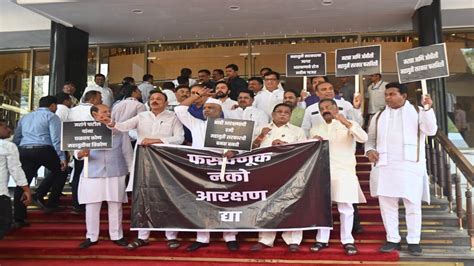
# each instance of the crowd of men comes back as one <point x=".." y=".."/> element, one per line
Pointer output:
<point x="177" y="112"/>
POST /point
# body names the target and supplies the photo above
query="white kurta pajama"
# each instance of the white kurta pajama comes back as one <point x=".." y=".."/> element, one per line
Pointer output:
<point x="106" y="182"/>
<point x="401" y="169"/>
<point x="345" y="187"/>
<point x="198" y="132"/>
<point x="164" y="126"/>
<point x="290" y="134"/>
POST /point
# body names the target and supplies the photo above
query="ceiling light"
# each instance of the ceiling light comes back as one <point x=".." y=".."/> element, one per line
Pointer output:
<point x="234" y="8"/>
<point x="137" y="11"/>
<point x="326" y="2"/>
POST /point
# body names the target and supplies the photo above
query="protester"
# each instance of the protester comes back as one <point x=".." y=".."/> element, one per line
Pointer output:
<point x="106" y="92"/>
<point x="396" y="146"/>
<point x="246" y="111"/>
<point x="375" y="95"/>
<point x="222" y="94"/>
<point x="272" y="93"/>
<point x="70" y="88"/>
<point x="279" y="131"/>
<point x="236" y="83"/>
<point x="292" y="98"/>
<point x="345" y="188"/>
<point x="185" y="75"/>
<point x="105" y="181"/>
<point x="146" y="87"/>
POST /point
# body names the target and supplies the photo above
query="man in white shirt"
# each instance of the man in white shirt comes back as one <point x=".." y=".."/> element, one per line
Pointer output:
<point x="129" y="107"/>
<point x="185" y="73"/>
<point x="10" y="165"/>
<point x="106" y="92"/>
<point x="279" y="131"/>
<point x="212" y="109"/>
<point x="146" y="87"/>
<point x="82" y="112"/>
<point x="63" y="106"/>
<point x="375" y="95"/>
<point x="222" y="94"/>
<point x="246" y="111"/>
<point x="272" y="93"/>
<point x="156" y="126"/>
<point x="396" y="146"/>
<point x="325" y="90"/>
<point x="345" y="188"/>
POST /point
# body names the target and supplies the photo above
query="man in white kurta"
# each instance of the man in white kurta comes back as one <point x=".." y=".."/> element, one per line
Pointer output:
<point x="342" y="135"/>
<point x="106" y="92"/>
<point x="246" y="111"/>
<point x="212" y="109"/>
<point x="105" y="181"/>
<point x="279" y="131"/>
<point x="325" y="90"/>
<point x="396" y="146"/>
<point x="156" y="126"/>
<point x="271" y="95"/>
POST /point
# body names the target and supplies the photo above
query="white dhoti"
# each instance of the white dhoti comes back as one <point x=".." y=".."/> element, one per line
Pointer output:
<point x="145" y="235"/>
<point x="389" y="211"/>
<point x="346" y="214"/>
<point x="290" y="237"/>
<point x="204" y="237"/>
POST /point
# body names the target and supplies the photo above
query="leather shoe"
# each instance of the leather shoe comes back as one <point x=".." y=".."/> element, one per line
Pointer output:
<point x="196" y="245"/>
<point x="415" y="250"/>
<point x="294" y="248"/>
<point x="232" y="245"/>
<point x="258" y="247"/>
<point x="38" y="201"/>
<point x="389" y="247"/>
<point x="173" y="244"/>
<point x="20" y="224"/>
<point x="121" y="242"/>
<point x="87" y="243"/>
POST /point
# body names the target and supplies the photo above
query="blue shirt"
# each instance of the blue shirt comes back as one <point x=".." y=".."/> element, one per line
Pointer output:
<point x="196" y="111"/>
<point x="41" y="127"/>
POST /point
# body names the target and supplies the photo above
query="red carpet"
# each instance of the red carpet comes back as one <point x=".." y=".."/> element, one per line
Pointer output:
<point x="53" y="240"/>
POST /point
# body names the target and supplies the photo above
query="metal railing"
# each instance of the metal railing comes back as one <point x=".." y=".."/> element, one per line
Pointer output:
<point x="440" y="152"/>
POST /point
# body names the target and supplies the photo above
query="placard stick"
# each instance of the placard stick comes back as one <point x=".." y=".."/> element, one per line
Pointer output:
<point x="424" y="92"/>
<point x="305" y="83"/>
<point x="86" y="167"/>
<point x="357" y="84"/>
<point x="224" y="163"/>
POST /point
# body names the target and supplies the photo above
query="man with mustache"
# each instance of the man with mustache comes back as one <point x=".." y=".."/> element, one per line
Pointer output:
<point x="345" y="188"/>
<point x="279" y="131"/>
<point x="222" y="94"/>
<point x="105" y="181"/>
<point x="212" y="109"/>
<point x="292" y="98"/>
<point x="156" y="126"/>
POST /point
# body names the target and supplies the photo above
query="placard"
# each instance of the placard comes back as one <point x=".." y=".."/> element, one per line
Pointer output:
<point x="233" y="134"/>
<point x="89" y="135"/>
<point x="364" y="60"/>
<point x="305" y="64"/>
<point x="426" y="62"/>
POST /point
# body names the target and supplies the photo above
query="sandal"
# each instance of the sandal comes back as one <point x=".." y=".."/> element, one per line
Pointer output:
<point x="173" y="244"/>
<point x="350" y="249"/>
<point x="137" y="243"/>
<point x="319" y="246"/>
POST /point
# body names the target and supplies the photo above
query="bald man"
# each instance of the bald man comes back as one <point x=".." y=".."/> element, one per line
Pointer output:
<point x="105" y="181"/>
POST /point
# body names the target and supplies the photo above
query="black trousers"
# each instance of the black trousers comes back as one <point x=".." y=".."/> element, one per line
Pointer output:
<point x="78" y="166"/>
<point x="31" y="160"/>
<point x="55" y="183"/>
<point x="5" y="215"/>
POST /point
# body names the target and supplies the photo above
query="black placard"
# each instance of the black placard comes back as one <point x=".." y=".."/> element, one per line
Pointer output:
<point x="306" y="64"/>
<point x="427" y="62"/>
<point x="364" y="60"/>
<point x="89" y="135"/>
<point x="233" y="134"/>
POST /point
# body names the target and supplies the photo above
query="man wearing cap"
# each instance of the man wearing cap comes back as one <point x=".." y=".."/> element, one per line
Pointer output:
<point x="212" y="109"/>
<point x="396" y="146"/>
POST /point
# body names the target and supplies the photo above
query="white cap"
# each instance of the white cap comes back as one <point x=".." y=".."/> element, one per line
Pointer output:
<point x="214" y="101"/>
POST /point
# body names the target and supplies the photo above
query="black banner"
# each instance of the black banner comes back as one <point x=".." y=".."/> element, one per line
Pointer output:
<point x="427" y="62"/>
<point x="274" y="188"/>
<point x="231" y="134"/>
<point x="306" y="64"/>
<point x="358" y="61"/>
<point x="89" y="135"/>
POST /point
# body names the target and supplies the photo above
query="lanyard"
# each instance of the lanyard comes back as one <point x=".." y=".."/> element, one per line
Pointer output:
<point x="378" y="87"/>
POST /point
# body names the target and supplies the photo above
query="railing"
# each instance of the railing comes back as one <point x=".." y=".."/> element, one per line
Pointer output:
<point x="440" y="151"/>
